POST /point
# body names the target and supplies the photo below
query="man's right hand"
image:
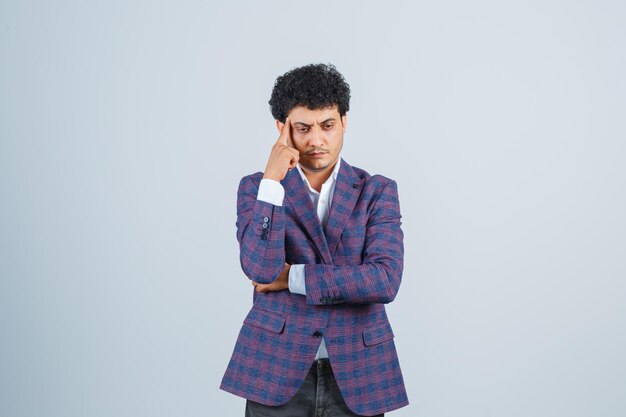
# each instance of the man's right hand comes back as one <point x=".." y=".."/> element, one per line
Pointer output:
<point x="283" y="156"/>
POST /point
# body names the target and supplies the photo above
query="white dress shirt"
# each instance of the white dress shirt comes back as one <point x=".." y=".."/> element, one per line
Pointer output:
<point x="272" y="192"/>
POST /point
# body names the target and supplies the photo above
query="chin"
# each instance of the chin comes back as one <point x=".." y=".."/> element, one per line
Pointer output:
<point x="315" y="166"/>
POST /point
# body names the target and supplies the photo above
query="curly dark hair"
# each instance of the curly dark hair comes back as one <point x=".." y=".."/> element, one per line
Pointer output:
<point x="316" y="86"/>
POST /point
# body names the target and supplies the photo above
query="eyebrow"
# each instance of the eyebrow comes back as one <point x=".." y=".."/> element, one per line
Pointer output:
<point x="330" y="119"/>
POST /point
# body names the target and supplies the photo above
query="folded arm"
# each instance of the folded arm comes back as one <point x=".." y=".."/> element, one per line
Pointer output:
<point x="261" y="234"/>
<point x="377" y="278"/>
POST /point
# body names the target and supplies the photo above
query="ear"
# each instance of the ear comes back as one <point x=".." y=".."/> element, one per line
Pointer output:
<point x="344" y="121"/>
<point x="279" y="125"/>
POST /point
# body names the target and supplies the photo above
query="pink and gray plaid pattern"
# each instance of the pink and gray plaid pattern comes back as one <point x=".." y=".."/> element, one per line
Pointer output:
<point x="352" y="268"/>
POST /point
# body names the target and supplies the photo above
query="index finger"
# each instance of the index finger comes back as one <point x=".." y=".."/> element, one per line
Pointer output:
<point x="285" y="133"/>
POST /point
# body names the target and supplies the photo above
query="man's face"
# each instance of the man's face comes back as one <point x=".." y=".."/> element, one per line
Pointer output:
<point x="317" y="135"/>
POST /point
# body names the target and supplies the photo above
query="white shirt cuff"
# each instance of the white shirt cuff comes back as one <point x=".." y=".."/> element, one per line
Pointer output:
<point x="271" y="191"/>
<point x="296" y="279"/>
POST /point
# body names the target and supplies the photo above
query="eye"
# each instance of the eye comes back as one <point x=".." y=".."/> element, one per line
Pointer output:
<point x="303" y="129"/>
<point x="328" y="126"/>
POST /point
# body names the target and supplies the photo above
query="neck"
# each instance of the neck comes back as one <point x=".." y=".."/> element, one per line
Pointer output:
<point x="317" y="178"/>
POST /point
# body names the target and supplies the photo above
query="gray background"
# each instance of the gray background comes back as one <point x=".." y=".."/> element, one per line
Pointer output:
<point x="126" y="126"/>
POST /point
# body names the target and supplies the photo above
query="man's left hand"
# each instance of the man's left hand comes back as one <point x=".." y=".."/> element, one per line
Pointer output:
<point x="279" y="284"/>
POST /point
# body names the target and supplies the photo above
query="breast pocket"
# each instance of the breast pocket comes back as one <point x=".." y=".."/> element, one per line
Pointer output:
<point x="350" y="247"/>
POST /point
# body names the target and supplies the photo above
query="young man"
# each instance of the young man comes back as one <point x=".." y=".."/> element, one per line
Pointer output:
<point x="322" y="244"/>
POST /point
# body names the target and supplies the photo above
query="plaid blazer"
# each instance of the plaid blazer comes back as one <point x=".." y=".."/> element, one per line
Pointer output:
<point x="352" y="268"/>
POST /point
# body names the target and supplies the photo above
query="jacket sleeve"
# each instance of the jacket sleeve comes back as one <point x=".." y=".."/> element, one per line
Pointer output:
<point x="261" y="234"/>
<point x="377" y="278"/>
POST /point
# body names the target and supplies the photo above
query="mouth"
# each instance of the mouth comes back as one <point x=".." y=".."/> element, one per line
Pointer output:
<point x="317" y="154"/>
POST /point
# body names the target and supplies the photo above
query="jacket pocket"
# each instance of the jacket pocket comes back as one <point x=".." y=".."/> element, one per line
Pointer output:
<point x="377" y="334"/>
<point x="265" y="319"/>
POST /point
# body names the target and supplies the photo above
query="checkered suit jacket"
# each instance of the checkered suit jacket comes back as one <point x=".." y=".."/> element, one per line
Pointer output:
<point x="352" y="268"/>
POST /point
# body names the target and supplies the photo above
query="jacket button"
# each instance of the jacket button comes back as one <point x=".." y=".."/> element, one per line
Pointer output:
<point x="317" y="333"/>
<point x="266" y="219"/>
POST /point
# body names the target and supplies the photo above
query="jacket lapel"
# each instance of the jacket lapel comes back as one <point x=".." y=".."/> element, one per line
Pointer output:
<point x="347" y="191"/>
<point x="297" y="195"/>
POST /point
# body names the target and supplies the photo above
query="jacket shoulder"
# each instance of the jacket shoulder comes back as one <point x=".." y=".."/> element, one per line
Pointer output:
<point x="376" y="181"/>
<point x="251" y="180"/>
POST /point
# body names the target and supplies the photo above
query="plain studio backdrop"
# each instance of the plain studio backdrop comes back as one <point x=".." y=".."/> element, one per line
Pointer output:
<point x="125" y="128"/>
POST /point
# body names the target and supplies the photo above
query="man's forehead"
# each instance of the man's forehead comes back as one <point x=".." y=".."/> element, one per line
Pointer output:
<point x="306" y="115"/>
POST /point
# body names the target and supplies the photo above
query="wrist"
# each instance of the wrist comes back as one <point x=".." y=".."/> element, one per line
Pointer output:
<point x="271" y="176"/>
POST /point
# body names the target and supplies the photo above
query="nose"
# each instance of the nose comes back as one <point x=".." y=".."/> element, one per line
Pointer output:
<point x="316" y="138"/>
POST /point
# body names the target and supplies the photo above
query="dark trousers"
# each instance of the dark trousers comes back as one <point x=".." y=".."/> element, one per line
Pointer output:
<point x="318" y="396"/>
